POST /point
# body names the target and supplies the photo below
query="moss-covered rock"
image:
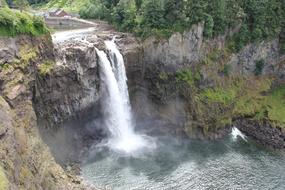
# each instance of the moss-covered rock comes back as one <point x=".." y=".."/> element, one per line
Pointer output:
<point x="4" y="183"/>
<point x="27" y="160"/>
<point x="215" y="85"/>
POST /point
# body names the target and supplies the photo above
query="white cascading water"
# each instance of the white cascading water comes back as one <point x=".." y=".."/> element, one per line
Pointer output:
<point x="237" y="133"/>
<point x="117" y="108"/>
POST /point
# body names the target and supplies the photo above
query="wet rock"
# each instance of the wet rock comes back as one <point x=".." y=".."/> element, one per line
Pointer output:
<point x="264" y="132"/>
<point x="26" y="159"/>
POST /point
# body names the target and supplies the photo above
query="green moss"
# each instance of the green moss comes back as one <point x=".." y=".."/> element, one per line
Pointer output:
<point x="163" y="76"/>
<point x="251" y="97"/>
<point x="46" y="67"/>
<point x="250" y="100"/>
<point x="4" y="65"/>
<point x="219" y="95"/>
<point x="275" y="105"/>
<point x="4" y="183"/>
<point x="13" y="23"/>
<point x="270" y="106"/>
<point x="244" y="97"/>
<point x="27" y="54"/>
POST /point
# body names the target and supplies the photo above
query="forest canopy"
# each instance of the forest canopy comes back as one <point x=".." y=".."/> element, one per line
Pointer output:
<point x="255" y="20"/>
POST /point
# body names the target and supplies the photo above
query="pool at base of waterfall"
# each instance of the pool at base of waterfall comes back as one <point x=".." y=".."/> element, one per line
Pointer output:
<point x="230" y="163"/>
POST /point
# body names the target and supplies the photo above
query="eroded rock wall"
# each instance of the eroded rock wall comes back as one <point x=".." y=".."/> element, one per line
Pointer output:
<point x="71" y="87"/>
<point x="178" y="75"/>
<point x="25" y="158"/>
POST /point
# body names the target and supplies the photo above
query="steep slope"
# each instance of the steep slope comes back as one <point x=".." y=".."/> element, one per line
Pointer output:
<point x="26" y="160"/>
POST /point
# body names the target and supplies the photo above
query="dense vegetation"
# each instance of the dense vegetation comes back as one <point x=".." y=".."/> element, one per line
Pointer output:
<point x="13" y="23"/>
<point x="68" y="5"/>
<point x="257" y="19"/>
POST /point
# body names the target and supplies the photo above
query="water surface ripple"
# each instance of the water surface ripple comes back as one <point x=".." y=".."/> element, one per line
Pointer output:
<point x="225" y="164"/>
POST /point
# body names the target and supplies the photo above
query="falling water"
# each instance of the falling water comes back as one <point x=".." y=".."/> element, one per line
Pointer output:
<point x="117" y="108"/>
<point x="237" y="133"/>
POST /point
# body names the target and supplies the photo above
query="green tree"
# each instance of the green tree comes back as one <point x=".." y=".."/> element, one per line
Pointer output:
<point x="124" y="15"/>
<point x="217" y="9"/>
<point x="153" y="14"/>
<point x="173" y="10"/>
<point x="21" y="4"/>
<point x="209" y="25"/>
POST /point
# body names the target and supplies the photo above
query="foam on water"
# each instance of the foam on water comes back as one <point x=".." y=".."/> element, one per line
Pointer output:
<point x="237" y="133"/>
<point x="62" y="36"/>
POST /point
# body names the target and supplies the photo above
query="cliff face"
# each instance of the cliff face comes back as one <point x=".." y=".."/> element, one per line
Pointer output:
<point x="71" y="86"/>
<point x="26" y="160"/>
<point x="185" y="86"/>
<point x="195" y="87"/>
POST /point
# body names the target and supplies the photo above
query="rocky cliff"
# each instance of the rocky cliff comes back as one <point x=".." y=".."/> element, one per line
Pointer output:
<point x="186" y="86"/>
<point x="200" y="86"/>
<point x="26" y="161"/>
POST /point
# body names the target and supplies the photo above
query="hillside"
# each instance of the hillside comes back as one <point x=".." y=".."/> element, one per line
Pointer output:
<point x="68" y="5"/>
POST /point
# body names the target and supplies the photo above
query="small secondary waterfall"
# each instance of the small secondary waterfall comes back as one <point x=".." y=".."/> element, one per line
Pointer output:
<point x="237" y="133"/>
<point x="117" y="108"/>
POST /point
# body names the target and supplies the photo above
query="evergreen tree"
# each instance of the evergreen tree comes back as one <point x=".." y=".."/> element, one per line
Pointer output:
<point x="153" y="14"/>
<point x="173" y="10"/>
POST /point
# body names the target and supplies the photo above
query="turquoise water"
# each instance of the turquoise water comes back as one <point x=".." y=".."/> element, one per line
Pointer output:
<point x="225" y="164"/>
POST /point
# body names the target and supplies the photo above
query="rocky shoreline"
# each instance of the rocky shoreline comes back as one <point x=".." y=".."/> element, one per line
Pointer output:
<point x="263" y="131"/>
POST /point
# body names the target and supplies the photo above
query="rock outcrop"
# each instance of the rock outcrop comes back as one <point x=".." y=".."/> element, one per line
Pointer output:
<point x="25" y="158"/>
<point x="263" y="131"/>
<point x="186" y="86"/>
<point x="176" y="71"/>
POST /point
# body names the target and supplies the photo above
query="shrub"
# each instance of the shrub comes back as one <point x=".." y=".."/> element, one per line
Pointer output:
<point x="14" y="23"/>
<point x="259" y="65"/>
<point x="185" y="76"/>
<point x="227" y="69"/>
<point x="95" y="11"/>
<point x="209" y="25"/>
<point x="219" y="95"/>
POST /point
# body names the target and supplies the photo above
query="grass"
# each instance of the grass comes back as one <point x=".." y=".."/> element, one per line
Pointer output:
<point x="68" y="5"/>
<point x="3" y="180"/>
<point x="251" y="97"/>
<point x="275" y="105"/>
<point x="13" y="23"/>
<point x="248" y="97"/>
<point x="219" y="95"/>
<point x="270" y="106"/>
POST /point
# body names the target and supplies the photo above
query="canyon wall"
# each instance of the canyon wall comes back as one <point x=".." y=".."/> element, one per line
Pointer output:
<point x="26" y="161"/>
<point x="185" y="86"/>
<point x="197" y="87"/>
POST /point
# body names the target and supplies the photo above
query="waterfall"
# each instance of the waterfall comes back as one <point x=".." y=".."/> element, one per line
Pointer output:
<point x="116" y="104"/>
<point x="237" y="133"/>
